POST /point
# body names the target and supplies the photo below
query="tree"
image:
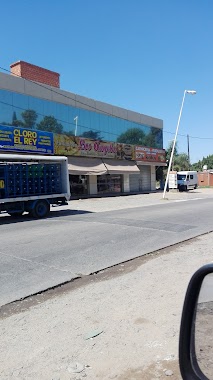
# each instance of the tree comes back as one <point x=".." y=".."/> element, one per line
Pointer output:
<point x="94" y="135"/>
<point x="169" y="151"/>
<point x="132" y="136"/>
<point x="50" y="124"/>
<point x="15" y="121"/>
<point x="154" y="138"/>
<point x="205" y="161"/>
<point x="180" y="160"/>
<point x="29" y="117"/>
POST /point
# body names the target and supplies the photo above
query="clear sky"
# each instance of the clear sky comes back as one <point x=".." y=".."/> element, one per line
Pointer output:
<point x="136" y="54"/>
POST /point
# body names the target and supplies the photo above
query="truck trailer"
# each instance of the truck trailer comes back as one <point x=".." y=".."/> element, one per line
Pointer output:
<point x="31" y="183"/>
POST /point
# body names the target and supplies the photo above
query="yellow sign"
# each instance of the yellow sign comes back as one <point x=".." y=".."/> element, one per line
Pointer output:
<point x="79" y="146"/>
<point x="1" y="184"/>
<point x="66" y="145"/>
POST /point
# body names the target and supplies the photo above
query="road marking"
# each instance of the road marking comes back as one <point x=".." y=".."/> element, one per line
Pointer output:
<point x="186" y="200"/>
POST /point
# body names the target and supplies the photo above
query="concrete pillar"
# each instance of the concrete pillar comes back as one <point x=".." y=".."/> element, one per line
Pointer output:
<point x="153" y="178"/>
<point x="126" y="187"/>
<point x="92" y="190"/>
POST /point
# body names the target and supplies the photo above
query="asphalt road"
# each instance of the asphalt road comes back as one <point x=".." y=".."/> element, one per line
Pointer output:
<point x="38" y="254"/>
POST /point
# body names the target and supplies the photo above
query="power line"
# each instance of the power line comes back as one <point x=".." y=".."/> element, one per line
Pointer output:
<point x="94" y="108"/>
<point x="62" y="121"/>
<point x="69" y="97"/>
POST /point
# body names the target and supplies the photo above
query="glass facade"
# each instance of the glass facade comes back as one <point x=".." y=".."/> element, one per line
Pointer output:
<point x="30" y="112"/>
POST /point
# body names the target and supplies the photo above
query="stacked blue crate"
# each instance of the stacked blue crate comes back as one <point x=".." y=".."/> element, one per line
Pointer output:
<point x="23" y="179"/>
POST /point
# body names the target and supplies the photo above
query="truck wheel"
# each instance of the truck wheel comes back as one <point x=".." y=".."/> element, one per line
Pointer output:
<point x="41" y="209"/>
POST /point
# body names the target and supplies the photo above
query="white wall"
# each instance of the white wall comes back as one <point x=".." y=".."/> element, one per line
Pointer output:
<point x="92" y="185"/>
<point x="153" y="178"/>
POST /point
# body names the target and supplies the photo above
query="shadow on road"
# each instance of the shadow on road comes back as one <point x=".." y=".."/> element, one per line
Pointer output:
<point x="5" y="219"/>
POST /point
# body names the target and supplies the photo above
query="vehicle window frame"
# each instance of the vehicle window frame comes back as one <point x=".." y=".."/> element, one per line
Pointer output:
<point x="189" y="367"/>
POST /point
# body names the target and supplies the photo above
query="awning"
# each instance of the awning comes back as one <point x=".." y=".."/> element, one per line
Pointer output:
<point x="120" y="166"/>
<point x="139" y="163"/>
<point x="86" y="166"/>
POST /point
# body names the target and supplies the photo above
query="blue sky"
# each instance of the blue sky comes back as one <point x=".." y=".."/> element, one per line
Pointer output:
<point x="138" y="54"/>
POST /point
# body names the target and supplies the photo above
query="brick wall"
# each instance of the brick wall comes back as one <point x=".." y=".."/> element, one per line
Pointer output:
<point x="35" y="73"/>
<point x="205" y="178"/>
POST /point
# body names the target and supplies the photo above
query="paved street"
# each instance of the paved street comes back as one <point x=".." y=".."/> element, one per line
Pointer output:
<point x="135" y="308"/>
<point x="84" y="237"/>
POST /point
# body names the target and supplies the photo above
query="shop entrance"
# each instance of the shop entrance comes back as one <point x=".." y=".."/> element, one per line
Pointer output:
<point x="78" y="184"/>
<point x="109" y="183"/>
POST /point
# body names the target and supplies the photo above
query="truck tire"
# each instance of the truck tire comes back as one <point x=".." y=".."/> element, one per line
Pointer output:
<point x="40" y="209"/>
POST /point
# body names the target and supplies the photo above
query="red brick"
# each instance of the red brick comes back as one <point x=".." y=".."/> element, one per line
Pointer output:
<point x="35" y="73"/>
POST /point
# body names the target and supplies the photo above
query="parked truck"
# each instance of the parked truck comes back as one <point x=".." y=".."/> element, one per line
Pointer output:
<point x="183" y="180"/>
<point x="31" y="183"/>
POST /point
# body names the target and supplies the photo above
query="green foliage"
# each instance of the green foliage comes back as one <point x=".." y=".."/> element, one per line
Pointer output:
<point x="154" y="138"/>
<point x="137" y="136"/>
<point x="169" y="151"/>
<point x="180" y="160"/>
<point x="29" y="117"/>
<point x="132" y="136"/>
<point x="205" y="161"/>
<point x="50" y="124"/>
<point x="94" y="135"/>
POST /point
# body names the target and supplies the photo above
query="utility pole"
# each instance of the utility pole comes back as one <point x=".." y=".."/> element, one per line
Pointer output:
<point x="188" y="150"/>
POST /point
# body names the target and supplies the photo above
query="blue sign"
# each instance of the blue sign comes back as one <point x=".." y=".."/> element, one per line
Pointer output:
<point x="22" y="140"/>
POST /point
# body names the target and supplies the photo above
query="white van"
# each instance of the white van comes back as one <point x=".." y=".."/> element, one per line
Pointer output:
<point x="187" y="180"/>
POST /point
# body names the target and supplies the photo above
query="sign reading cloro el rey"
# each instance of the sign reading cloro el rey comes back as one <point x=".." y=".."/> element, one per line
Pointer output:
<point x="18" y="139"/>
<point x="79" y="146"/>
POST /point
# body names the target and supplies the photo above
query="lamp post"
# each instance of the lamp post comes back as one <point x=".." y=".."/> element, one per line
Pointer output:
<point x="76" y="124"/>
<point x="192" y="92"/>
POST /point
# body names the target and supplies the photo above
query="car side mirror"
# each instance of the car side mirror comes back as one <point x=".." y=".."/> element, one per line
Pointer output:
<point x="196" y="331"/>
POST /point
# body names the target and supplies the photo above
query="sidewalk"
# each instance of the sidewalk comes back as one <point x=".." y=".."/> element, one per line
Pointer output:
<point x="129" y="201"/>
<point x="134" y="310"/>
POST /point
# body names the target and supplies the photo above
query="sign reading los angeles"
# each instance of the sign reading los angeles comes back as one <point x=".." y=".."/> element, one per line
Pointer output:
<point x="79" y="146"/>
<point x="16" y="139"/>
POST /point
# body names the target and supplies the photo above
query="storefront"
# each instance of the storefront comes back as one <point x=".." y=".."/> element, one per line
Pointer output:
<point x="109" y="183"/>
<point x="99" y="175"/>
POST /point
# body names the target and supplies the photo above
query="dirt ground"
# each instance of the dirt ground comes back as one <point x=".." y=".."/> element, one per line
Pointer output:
<point x="121" y="323"/>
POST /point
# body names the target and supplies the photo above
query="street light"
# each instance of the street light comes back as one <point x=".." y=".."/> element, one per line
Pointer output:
<point x="76" y="124"/>
<point x="192" y="92"/>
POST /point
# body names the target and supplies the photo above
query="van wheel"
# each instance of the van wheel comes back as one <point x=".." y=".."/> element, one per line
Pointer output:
<point x="41" y="209"/>
<point x="195" y="187"/>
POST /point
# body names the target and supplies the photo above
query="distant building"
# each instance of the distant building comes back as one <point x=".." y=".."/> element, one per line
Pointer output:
<point x="111" y="150"/>
<point x="205" y="178"/>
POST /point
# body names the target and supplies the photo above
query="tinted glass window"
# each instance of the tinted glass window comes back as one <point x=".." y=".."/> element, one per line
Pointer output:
<point x="43" y="113"/>
<point x="181" y="176"/>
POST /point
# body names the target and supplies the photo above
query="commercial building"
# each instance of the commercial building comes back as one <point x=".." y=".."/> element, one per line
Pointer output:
<point x="110" y="149"/>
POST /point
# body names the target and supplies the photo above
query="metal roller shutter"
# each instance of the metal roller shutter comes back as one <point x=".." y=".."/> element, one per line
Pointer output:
<point x="142" y="181"/>
<point x="146" y="177"/>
